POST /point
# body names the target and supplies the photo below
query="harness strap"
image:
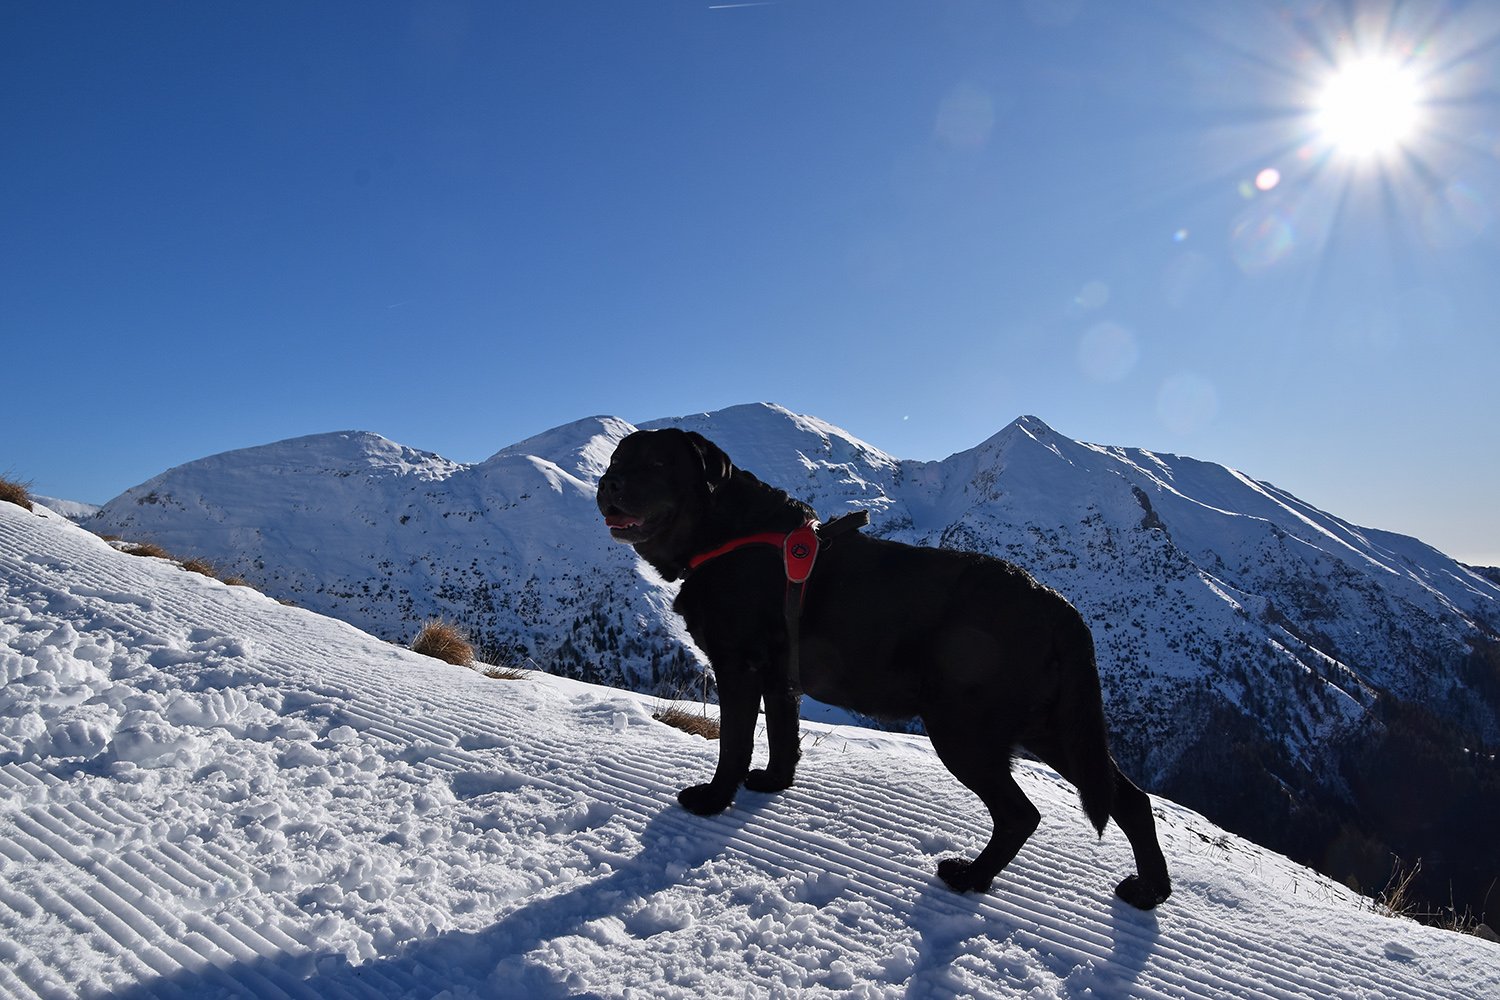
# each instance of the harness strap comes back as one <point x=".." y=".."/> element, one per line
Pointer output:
<point x="764" y="538"/>
<point x="799" y="553"/>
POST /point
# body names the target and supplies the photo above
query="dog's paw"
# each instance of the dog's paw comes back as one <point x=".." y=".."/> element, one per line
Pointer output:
<point x="704" y="800"/>
<point x="1141" y="894"/>
<point x="960" y="876"/>
<point x="760" y="780"/>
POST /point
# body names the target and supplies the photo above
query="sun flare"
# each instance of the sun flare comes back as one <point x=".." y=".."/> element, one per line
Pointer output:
<point x="1369" y="107"/>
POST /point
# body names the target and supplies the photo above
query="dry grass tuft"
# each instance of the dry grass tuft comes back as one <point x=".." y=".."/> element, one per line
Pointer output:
<point x="1397" y="900"/>
<point x="1396" y="897"/>
<point x="200" y="566"/>
<point x="443" y="641"/>
<point x="146" y="549"/>
<point x="499" y="673"/>
<point x="688" y="721"/>
<point x="18" y="493"/>
<point x="495" y="664"/>
<point x="194" y="565"/>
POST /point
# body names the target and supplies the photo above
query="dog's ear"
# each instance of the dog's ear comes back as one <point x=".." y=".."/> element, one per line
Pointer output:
<point x="716" y="465"/>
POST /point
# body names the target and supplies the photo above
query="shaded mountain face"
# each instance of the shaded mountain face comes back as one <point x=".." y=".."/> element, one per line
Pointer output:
<point x="1263" y="661"/>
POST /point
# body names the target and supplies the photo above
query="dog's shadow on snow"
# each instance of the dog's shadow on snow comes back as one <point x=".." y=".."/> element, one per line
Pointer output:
<point x="487" y="962"/>
<point x="672" y="841"/>
<point x="1090" y="961"/>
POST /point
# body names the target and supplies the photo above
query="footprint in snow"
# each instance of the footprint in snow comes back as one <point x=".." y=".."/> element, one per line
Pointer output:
<point x="1398" y="952"/>
<point x="469" y="784"/>
<point x="204" y="640"/>
<point x="115" y="597"/>
<point x="1221" y="895"/>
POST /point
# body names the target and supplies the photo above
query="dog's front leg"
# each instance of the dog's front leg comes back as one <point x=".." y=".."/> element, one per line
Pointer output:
<point x="739" y="700"/>
<point x="783" y="732"/>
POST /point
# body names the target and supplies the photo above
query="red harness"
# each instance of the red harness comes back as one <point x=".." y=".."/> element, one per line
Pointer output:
<point x="799" y="550"/>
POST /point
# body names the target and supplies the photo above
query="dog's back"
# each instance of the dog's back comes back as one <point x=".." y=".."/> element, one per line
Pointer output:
<point x="896" y="631"/>
<point x="883" y="619"/>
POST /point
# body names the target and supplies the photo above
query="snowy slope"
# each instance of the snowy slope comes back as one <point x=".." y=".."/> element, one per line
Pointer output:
<point x="206" y="793"/>
<point x="73" y="510"/>
<point x="385" y="537"/>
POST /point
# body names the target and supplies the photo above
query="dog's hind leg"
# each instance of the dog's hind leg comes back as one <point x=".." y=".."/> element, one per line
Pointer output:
<point x="982" y="763"/>
<point x="1150" y="884"/>
<point x="1130" y="808"/>
<point x="1075" y="744"/>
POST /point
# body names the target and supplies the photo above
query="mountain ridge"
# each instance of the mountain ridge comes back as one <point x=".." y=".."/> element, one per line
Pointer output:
<point x="1237" y="626"/>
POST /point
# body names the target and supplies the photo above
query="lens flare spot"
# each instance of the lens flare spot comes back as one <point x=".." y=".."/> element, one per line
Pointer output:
<point x="1190" y="278"/>
<point x="1261" y="240"/>
<point x="1186" y="403"/>
<point x="1108" y="352"/>
<point x="965" y="118"/>
<point x="1094" y="295"/>
<point x="1267" y="179"/>
<point x="1454" y="216"/>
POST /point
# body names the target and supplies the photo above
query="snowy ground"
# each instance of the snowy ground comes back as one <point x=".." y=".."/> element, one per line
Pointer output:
<point x="205" y="793"/>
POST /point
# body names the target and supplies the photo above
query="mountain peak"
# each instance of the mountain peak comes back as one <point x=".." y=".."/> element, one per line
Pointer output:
<point x="752" y="433"/>
<point x="582" y="447"/>
<point x="1031" y="424"/>
<point x="345" y="451"/>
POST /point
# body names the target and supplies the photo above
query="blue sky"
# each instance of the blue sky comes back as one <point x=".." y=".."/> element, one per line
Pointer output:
<point x="459" y="224"/>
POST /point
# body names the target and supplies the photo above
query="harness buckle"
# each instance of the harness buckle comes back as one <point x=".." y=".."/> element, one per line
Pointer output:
<point x="800" y="551"/>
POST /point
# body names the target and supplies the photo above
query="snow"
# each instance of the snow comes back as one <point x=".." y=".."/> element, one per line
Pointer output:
<point x="73" y="510"/>
<point x="206" y="793"/>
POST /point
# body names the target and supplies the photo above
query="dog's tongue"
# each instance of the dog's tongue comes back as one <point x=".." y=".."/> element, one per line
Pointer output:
<point x="621" y="521"/>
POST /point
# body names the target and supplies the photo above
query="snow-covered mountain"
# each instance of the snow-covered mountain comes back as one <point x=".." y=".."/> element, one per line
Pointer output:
<point x="206" y="794"/>
<point x="73" y="510"/>
<point x="384" y="537"/>
<point x="1262" y="660"/>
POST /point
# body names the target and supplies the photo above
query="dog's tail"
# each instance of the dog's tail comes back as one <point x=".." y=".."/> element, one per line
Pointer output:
<point x="1093" y="767"/>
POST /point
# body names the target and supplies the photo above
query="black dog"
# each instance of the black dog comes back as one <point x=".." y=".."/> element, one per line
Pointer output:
<point x="987" y="657"/>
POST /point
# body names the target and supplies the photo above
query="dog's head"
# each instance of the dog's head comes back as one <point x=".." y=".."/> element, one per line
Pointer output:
<point x="657" y="487"/>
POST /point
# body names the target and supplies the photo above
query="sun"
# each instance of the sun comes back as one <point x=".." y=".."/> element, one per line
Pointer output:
<point x="1369" y="107"/>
